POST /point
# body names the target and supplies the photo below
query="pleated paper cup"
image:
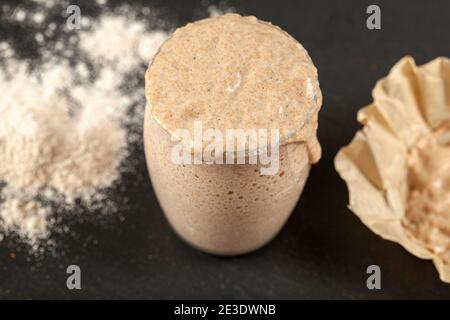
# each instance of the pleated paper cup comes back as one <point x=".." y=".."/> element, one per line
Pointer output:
<point x="410" y="103"/>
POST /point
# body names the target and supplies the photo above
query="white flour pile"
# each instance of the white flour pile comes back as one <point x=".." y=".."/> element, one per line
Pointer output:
<point x="64" y="128"/>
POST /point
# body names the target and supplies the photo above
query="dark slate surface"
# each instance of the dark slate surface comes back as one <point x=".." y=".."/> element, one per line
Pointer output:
<point x="324" y="249"/>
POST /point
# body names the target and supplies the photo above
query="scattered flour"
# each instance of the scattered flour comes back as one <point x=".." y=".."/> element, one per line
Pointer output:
<point x="64" y="127"/>
<point x="129" y="39"/>
<point x="29" y="219"/>
<point x="43" y="146"/>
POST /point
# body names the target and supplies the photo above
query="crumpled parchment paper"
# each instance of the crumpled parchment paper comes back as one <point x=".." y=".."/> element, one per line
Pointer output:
<point x="409" y="103"/>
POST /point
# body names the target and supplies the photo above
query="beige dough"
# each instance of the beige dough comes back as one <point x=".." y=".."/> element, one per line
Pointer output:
<point x="428" y="211"/>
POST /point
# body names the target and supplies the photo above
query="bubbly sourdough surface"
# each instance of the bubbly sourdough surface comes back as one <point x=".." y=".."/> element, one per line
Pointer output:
<point x="224" y="209"/>
<point x="234" y="72"/>
<point x="428" y="213"/>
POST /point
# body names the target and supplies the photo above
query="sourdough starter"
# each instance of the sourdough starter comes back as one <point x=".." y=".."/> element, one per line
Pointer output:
<point x="231" y="72"/>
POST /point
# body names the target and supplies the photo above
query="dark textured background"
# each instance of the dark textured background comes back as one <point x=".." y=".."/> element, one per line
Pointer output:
<point x="324" y="249"/>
